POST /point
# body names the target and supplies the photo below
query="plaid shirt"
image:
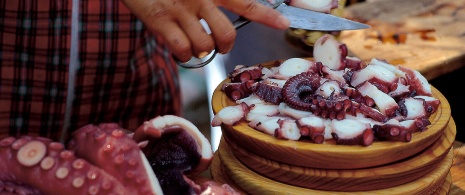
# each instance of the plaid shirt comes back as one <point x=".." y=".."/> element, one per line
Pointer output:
<point x="123" y="73"/>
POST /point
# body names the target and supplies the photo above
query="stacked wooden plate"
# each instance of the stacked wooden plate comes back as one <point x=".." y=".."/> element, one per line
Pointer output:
<point x="256" y="163"/>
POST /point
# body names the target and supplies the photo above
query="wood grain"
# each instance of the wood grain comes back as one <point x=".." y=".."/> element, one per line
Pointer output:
<point x="254" y="183"/>
<point x="458" y="170"/>
<point x="307" y="154"/>
<point x="387" y="176"/>
<point x="435" y="53"/>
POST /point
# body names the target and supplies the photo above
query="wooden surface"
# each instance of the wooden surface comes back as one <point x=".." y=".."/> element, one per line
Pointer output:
<point x="458" y="169"/>
<point x="254" y="183"/>
<point x="456" y="178"/>
<point x="433" y="32"/>
<point x="373" y="178"/>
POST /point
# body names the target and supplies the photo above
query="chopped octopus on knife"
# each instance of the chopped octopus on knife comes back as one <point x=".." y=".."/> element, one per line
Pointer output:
<point x="333" y="96"/>
<point x="324" y="6"/>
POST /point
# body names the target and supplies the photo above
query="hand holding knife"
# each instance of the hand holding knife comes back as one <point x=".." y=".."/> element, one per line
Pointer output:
<point x="298" y="17"/>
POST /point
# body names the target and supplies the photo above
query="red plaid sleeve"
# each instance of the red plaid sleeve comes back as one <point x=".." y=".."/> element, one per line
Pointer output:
<point x="124" y="75"/>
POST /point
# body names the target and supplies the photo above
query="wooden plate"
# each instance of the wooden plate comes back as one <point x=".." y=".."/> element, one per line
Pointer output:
<point x="254" y="183"/>
<point x="386" y="176"/>
<point x="329" y="155"/>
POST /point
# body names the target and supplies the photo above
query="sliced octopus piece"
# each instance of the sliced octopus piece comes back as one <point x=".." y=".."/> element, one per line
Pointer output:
<point x="285" y="110"/>
<point x="295" y="66"/>
<point x="384" y="77"/>
<point x="230" y="115"/>
<point x="337" y="75"/>
<point x="412" y="108"/>
<point x="330" y="52"/>
<point x="268" y="93"/>
<point x="324" y="6"/>
<point x="175" y="148"/>
<point x="262" y="110"/>
<point x="392" y="130"/>
<point x="432" y="104"/>
<point x="313" y="127"/>
<point x="246" y="73"/>
<point x="417" y="81"/>
<point x="287" y="130"/>
<point x="385" y="103"/>
<point x="252" y="99"/>
<point x="392" y="68"/>
<point x="275" y="82"/>
<point x="266" y="124"/>
<point x="352" y="132"/>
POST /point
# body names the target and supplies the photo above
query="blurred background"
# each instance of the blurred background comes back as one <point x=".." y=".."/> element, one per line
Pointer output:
<point x="429" y="35"/>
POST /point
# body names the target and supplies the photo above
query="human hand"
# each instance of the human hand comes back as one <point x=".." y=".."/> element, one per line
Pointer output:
<point x="177" y="21"/>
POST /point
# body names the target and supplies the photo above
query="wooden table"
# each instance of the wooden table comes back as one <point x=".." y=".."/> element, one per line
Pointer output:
<point x="458" y="169"/>
<point x="426" y="35"/>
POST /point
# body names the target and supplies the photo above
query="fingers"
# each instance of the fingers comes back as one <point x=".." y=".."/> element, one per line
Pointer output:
<point x="257" y="12"/>
<point x="201" y="42"/>
<point x="178" y="22"/>
<point x="222" y="30"/>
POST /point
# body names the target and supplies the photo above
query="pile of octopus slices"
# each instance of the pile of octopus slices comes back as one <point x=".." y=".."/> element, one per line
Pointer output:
<point x="158" y="158"/>
<point x="333" y="96"/>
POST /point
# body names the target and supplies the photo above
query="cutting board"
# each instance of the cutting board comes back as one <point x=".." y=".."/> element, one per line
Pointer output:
<point x="426" y="35"/>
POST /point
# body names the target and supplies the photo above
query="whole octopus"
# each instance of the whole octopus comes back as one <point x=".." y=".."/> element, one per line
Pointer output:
<point x="156" y="158"/>
<point x="333" y="96"/>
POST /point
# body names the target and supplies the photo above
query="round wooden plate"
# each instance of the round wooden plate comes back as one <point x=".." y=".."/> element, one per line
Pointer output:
<point x="329" y="155"/>
<point x="254" y="183"/>
<point x="386" y="176"/>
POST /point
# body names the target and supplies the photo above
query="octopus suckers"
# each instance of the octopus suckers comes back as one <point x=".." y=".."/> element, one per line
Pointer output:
<point x="117" y="133"/>
<point x="78" y="182"/>
<point x="132" y="162"/>
<point x="130" y="174"/>
<point x="19" y="143"/>
<point x="47" y="163"/>
<point x="62" y="172"/>
<point x="66" y="154"/>
<point x="108" y="147"/>
<point x="92" y="175"/>
<point x="31" y="153"/>
<point x="93" y="189"/>
<point x="7" y="141"/>
<point x="56" y="146"/>
<point x="79" y="164"/>
<point x="119" y="159"/>
<point x="106" y="184"/>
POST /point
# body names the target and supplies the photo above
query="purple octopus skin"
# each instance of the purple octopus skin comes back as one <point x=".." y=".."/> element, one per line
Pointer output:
<point x="106" y="159"/>
<point x="107" y="146"/>
<point x="268" y="93"/>
<point x="47" y="167"/>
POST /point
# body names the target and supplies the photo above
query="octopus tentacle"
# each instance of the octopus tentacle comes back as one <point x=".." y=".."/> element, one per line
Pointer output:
<point x="49" y="168"/>
<point x="97" y="144"/>
<point x="297" y="87"/>
<point x="244" y="73"/>
<point x="237" y="91"/>
<point x="268" y="93"/>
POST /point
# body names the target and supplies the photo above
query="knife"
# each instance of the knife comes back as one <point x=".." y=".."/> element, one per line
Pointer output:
<point x="298" y="17"/>
<point x="312" y="20"/>
<point x="307" y="19"/>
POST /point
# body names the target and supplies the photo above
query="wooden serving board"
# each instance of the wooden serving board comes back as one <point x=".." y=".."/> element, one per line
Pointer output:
<point x="254" y="183"/>
<point x="426" y="35"/>
<point x="308" y="154"/>
<point x="374" y="178"/>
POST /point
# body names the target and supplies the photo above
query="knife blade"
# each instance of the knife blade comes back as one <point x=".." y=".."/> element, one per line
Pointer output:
<point x="311" y="20"/>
